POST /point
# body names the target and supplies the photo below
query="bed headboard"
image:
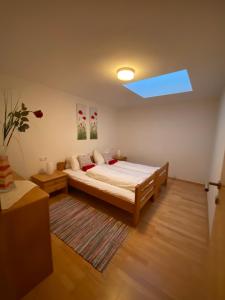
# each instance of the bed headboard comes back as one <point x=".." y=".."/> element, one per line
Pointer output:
<point x="61" y="165"/>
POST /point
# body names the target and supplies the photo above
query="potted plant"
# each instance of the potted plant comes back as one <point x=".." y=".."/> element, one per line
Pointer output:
<point x="15" y="118"/>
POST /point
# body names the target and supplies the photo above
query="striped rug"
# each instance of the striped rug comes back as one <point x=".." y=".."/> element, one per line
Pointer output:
<point x="91" y="233"/>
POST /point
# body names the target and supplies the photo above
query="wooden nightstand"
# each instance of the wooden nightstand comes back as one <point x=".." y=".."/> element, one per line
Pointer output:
<point x="51" y="183"/>
<point x="124" y="158"/>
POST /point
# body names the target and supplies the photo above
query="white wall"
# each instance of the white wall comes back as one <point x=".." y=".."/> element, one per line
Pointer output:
<point x="166" y="129"/>
<point x="217" y="160"/>
<point x="53" y="136"/>
<point x="171" y="129"/>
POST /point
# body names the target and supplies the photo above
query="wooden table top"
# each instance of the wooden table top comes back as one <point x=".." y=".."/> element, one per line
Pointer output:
<point x="32" y="196"/>
<point x="46" y="177"/>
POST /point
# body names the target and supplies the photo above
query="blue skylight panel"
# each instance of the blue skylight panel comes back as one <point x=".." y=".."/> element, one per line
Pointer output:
<point x="166" y="84"/>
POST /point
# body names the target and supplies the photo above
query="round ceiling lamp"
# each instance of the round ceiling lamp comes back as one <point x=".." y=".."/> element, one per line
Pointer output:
<point x="125" y="74"/>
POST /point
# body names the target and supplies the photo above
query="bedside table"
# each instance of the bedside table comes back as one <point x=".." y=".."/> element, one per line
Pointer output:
<point x="124" y="158"/>
<point x="51" y="183"/>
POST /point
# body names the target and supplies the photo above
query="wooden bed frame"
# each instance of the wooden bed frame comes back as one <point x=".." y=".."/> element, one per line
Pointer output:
<point x="149" y="189"/>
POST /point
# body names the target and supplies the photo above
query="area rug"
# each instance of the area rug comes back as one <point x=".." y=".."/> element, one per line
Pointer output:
<point x="92" y="234"/>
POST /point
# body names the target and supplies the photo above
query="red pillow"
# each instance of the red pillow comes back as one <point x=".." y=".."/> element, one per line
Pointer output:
<point x="87" y="167"/>
<point x="112" y="161"/>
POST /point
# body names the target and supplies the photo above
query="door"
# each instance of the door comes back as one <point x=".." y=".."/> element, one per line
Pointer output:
<point x="216" y="256"/>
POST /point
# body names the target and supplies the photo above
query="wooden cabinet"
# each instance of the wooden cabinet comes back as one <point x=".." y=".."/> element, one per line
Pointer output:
<point x="25" y="245"/>
<point x="124" y="158"/>
<point x="51" y="183"/>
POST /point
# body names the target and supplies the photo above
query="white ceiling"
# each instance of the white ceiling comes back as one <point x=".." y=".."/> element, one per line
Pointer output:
<point x="77" y="46"/>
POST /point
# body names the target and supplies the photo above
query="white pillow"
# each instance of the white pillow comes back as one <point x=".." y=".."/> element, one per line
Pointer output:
<point x="98" y="158"/>
<point x="84" y="160"/>
<point x="74" y="163"/>
<point x="107" y="157"/>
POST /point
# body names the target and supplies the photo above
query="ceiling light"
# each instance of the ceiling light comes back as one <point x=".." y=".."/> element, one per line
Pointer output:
<point x="125" y="74"/>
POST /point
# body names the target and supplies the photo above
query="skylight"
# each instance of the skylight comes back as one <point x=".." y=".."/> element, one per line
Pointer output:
<point x="166" y="84"/>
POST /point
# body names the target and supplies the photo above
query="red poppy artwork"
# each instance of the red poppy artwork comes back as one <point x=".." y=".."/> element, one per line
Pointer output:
<point x="93" y="113"/>
<point x="81" y="122"/>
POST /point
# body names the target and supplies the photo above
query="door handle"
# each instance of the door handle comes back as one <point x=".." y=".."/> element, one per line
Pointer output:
<point x="217" y="200"/>
<point x="217" y="184"/>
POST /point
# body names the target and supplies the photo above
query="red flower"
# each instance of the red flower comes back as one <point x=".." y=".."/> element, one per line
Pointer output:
<point x="80" y="112"/>
<point x="95" y="114"/>
<point x="84" y="118"/>
<point x="92" y="117"/>
<point x="38" y="113"/>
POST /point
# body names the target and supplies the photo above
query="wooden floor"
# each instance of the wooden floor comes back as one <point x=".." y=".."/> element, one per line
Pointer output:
<point x="161" y="259"/>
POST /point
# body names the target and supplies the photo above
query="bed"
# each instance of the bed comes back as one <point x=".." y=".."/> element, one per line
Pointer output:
<point x="126" y="185"/>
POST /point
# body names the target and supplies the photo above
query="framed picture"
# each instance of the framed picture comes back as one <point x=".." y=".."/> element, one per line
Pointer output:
<point x="93" y="115"/>
<point x="81" y="122"/>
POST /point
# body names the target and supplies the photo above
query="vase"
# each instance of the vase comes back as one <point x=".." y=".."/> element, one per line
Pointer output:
<point x="6" y="174"/>
<point x="50" y="168"/>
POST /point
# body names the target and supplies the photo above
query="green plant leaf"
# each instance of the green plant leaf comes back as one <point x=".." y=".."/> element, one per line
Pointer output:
<point x="24" y="113"/>
<point x="23" y="128"/>
<point x="25" y="119"/>
<point x="17" y="114"/>
<point x="23" y="106"/>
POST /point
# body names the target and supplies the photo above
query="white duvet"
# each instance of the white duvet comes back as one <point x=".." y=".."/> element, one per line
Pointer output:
<point x="121" y="174"/>
<point x="136" y="167"/>
<point x="81" y="176"/>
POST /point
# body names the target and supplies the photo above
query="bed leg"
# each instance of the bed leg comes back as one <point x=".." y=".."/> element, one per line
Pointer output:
<point x="167" y="171"/>
<point x="136" y="217"/>
<point x="156" y="194"/>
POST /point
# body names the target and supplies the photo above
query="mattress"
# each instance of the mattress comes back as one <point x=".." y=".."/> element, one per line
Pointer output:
<point x="124" y="178"/>
<point x="121" y="193"/>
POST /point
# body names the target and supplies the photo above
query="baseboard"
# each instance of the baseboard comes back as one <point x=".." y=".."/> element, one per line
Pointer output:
<point x="187" y="181"/>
